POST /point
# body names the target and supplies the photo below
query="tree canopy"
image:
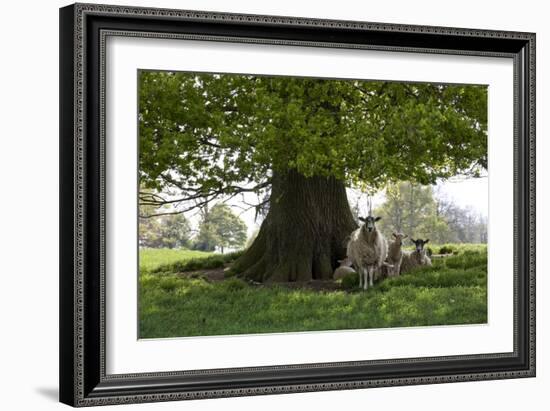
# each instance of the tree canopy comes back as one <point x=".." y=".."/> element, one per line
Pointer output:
<point x="204" y="136"/>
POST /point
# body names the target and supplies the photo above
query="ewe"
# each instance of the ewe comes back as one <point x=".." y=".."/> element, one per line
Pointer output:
<point x="417" y="258"/>
<point x="367" y="249"/>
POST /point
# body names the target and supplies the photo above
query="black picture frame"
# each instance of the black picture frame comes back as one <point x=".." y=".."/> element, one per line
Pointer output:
<point x="83" y="381"/>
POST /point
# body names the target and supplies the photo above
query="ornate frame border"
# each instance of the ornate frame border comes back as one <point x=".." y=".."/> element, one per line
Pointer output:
<point x="83" y="381"/>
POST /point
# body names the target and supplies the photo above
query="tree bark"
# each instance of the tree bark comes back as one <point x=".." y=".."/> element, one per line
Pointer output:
<point x="304" y="233"/>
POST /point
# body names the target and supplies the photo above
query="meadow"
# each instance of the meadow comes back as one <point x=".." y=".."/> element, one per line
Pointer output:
<point x="151" y="258"/>
<point x="180" y="296"/>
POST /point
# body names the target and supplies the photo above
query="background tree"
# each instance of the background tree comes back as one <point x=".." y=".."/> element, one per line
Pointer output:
<point x="412" y="209"/>
<point x="150" y="233"/>
<point x="417" y="211"/>
<point x="206" y="238"/>
<point x="176" y="231"/>
<point x="221" y="228"/>
<point x="465" y="225"/>
<point x="166" y="231"/>
<point x="300" y="141"/>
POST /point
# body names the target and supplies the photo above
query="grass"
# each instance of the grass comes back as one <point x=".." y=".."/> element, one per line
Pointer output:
<point x="452" y="291"/>
<point x="151" y="259"/>
<point x="203" y="263"/>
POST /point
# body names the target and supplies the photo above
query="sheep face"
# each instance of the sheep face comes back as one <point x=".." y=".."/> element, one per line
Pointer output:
<point x="369" y="222"/>
<point x="399" y="237"/>
<point x="419" y="244"/>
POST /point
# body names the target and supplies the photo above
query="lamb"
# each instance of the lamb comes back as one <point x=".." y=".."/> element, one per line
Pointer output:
<point x="344" y="268"/>
<point x="417" y="258"/>
<point x="395" y="255"/>
<point x="367" y="249"/>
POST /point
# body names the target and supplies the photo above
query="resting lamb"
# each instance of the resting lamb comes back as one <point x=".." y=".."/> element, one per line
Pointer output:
<point x="344" y="269"/>
<point x="417" y="258"/>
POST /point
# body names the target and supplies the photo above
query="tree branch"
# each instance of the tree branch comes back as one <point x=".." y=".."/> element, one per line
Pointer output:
<point x="152" y="199"/>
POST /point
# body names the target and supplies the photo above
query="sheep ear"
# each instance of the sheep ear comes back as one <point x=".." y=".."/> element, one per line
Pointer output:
<point x="426" y="240"/>
<point x="377" y="218"/>
<point x="413" y="240"/>
<point x="362" y="219"/>
<point x="339" y="261"/>
<point x="394" y="234"/>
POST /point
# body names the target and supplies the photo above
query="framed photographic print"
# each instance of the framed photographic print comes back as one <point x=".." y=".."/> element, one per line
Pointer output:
<point x="261" y="204"/>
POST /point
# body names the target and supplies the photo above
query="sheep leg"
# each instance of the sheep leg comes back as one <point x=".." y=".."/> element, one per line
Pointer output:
<point x="366" y="279"/>
<point x="360" y="273"/>
<point x="371" y="276"/>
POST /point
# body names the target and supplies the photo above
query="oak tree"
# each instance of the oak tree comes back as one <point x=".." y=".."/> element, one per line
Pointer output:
<point x="297" y="143"/>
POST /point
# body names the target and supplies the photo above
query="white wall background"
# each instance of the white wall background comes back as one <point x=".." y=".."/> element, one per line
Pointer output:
<point x="29" y="204"/>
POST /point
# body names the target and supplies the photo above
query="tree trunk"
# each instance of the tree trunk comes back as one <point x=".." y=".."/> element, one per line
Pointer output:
<point x="304" y="233"/>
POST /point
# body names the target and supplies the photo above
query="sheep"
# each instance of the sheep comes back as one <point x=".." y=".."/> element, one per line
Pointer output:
<point x="416" y="258"/>
<point x="367" y="249"/>
<point x="395" y="255"/>
<point x="344" y="269"/>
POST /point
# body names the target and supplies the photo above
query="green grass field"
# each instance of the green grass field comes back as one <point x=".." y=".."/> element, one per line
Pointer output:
<point x="151" y="258"/>
<point x="452" y="291"/>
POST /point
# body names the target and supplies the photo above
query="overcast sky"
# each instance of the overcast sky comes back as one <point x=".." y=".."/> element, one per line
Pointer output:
<point x="472" y="193"/>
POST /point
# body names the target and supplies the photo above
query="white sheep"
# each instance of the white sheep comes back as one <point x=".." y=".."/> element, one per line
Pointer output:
<point x="416" y="258"/>
<point x="395" y="255"/>
<point x="367" y="249"/>
<point x="344" y="269"/>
